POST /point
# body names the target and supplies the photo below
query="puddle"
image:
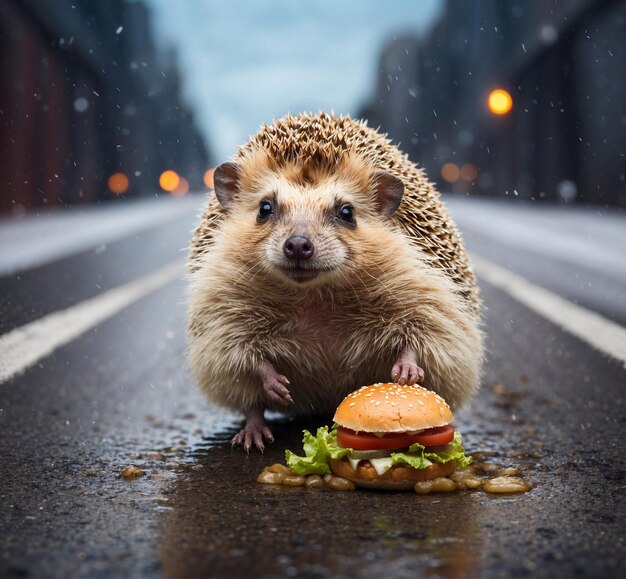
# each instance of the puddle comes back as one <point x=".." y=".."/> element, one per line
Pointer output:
<point x="225" y="524"/>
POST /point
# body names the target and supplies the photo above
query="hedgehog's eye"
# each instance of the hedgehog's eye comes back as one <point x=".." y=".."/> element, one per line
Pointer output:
<point x="346" y="213"/>
<point x="265" y="210"/>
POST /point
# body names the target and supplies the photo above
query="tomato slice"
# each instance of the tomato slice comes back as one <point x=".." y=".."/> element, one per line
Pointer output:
<point x="367" y="441"/>
<point x="439" y="436"/>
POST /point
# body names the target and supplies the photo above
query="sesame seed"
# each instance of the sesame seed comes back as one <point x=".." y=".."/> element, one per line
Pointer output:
<point x="352" y="403"/>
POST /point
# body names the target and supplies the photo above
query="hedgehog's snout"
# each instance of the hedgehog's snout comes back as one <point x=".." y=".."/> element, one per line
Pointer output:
<point x="304" y="243"/>
<point x="298" y="248"/>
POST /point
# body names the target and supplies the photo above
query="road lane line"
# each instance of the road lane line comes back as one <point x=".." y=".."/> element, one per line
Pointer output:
<point x="592" y="328"/>
<point x="26" y="345"/>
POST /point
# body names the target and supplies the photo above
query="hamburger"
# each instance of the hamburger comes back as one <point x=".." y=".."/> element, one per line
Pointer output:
<point x="385" y="436"/>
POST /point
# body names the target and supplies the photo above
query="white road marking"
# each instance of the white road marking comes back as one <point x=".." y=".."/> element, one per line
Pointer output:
<point x="24" y="346"/>
<point x="592" y="328"/>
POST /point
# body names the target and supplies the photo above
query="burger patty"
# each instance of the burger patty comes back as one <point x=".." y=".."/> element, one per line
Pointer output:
<point x="398" y="473"/>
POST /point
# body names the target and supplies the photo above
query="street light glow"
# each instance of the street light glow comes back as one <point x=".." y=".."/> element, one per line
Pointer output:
<point x="181" y="189"/>
<point x="118" y="183"/>
<point x="500" y="101"/>
<point x="469" y="172"/>
<point x="169" y="180"/>
<point x="450" y="172"/>
<point x="208" y="178"/>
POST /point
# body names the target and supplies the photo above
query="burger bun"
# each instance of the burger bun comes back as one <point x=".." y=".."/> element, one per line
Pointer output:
<point x="392" y="408"/>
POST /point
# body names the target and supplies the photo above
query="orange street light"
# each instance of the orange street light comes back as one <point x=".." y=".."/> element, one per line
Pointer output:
<point x="450" y="172"/>
<point x="118" y="183"/>
<point x="500" y="101"/>
<point x="469" y="172"/>
<point x="181" y="189"/>
<point x="169" y="180"/>
<point x="208" y="178"/>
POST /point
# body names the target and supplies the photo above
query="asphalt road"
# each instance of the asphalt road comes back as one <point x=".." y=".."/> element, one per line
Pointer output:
<point x="120" y="394"/>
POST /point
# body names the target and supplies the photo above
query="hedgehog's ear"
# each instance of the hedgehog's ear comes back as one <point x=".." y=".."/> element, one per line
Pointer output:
<point x="226" y="182"/>
<point x="388" y="193"/>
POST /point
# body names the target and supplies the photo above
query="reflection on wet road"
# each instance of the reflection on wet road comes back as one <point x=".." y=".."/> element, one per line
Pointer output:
<point x="121" y="395"/>
<point x="243" y="528"/>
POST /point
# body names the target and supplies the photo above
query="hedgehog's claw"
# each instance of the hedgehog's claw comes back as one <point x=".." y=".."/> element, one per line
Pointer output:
<point x="406" y="371"/>
<point x="254" y="431"/>
<point x="274" y="384"/>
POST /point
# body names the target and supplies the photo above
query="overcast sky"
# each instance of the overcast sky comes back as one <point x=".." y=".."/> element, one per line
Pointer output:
<point x="247" y="61"/>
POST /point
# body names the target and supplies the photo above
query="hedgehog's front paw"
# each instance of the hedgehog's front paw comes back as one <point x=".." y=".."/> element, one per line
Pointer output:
<point x="406" y="370"/>
<point x="277" y="391"/>
<point x="275" y="385"/>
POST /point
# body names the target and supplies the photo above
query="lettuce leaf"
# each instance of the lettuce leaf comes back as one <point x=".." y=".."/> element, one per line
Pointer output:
<point x="323" y="447"/>
<point x="318" y="450"/>
<point x="417" y="457"/>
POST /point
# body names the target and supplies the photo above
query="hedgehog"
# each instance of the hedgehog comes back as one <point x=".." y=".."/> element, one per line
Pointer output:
<point x="326" y="261"/>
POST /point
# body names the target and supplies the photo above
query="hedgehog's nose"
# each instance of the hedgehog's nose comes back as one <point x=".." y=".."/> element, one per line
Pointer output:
<point x="298" y="247"/>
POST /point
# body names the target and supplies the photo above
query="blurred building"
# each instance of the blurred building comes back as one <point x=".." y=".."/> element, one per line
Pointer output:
<point x="84" y="94"/>
<point x="564" y="64"/>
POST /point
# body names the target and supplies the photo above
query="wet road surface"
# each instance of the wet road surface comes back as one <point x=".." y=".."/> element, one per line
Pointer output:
<point x="121" y="395"/>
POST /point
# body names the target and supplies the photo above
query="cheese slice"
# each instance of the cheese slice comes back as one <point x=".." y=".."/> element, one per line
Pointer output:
<point x="354" y="462"/>
<point x="381" y="465"/>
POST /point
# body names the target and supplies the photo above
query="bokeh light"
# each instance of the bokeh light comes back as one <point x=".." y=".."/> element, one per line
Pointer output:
<point x="500" y="102"/>
<point x="118" y="183"/>
<point x="169" y="180"/>
<point x="469" y="172"/>
<point x="181" y="189"/>
<point x="208" y="178"/>
<point x="450" y="172"/>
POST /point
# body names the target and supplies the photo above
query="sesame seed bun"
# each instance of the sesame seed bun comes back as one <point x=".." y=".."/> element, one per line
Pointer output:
<point x="392" y="408"/>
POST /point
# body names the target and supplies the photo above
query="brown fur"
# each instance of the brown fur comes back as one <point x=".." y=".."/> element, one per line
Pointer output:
<point x="392" y="283"/>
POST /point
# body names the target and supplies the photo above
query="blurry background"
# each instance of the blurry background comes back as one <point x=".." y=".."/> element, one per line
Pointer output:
<point x="98" y="99"/>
